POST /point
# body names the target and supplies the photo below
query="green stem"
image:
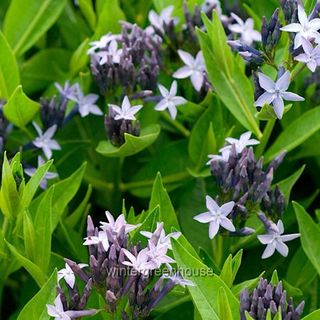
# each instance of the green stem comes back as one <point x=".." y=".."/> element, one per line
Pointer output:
<point x="176" y="124"/>
<point x="217" y="247"/>
<point x="146" y="183"/>
<point x="295" y="73"/>
<point x="265" y="138"/>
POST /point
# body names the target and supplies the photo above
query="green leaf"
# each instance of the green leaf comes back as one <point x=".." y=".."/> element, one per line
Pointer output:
<point x="310" y="232"/>
<point x="160" y="197"/>
<point x="202" y="140"/>
<point x="9" y="72"/>
<point x="44" y="68"/>
<point x="226" y="272"/>
<point x="29" y="236"/>
<point x="108" y="22"/>
<point x="33" y="269"/>
<point x="296" y="133"/>
<point x="315" y="315"/>
<point x="9" y="196"/>
<point x="309" y="5"/>
<point x="224" y="306"/>
<point x="132" y="143"/>
<point x="79" y="214"/>
<point x="79" y="58"/>
<point x="207" y="285"/>
<point x="226" y="73"/>
<point x="287" y="184"/>
<point x="42" y="220"/>
<point x="300" y="270"/>
<point x="20" y="109"/>
<point x="275" y="278"/>
<point x="27" y="20"/>
<point x="267" y="112"/>
<point x="64" y="191"/>
<point x="36" y="308"/>
<point x="34" y="182"/>
<point x="87" y="10"/>
<point x="175" y="175"/>
<point x="149" y="224"/>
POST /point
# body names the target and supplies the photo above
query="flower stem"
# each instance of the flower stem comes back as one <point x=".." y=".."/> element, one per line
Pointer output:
<point x="217" y="247"/>
<point x="176" y="124"/>
<point x="265" y="138"/>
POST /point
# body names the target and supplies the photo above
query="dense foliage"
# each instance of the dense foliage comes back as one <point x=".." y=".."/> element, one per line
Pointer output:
<point x="159" y="159"/>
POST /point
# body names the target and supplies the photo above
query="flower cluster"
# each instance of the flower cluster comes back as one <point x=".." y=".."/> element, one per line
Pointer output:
<point x="130" y="60"/>
<point x="246" y="188"/>
<point x="266" y="299"/>
<point x="119" y="271"/>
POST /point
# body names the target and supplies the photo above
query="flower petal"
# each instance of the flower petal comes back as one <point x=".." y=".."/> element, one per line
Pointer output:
<point x="265" y="98"/>
<point x="211" y="204"/>
<point x="227" y="224"/>
<point x="213" y="229"/>
<point x="290" y="96"/>
<point x="186" y="57"/>
<point x="265" y="82"/>
<point x="203" y="217"/>
<point x="183" y="72"/>
<point x="227" y="208"/>
<point x="269" y="251"/>
<point x="278" y="107"/>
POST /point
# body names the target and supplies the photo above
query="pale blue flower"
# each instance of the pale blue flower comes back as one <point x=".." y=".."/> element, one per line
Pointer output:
<point x="276" y="92"/>
<point x="275" y="240"/>
<point x="216" y="216"/>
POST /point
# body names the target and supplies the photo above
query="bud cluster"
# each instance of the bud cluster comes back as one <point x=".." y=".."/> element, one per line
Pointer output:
<point x="130" y="60"/>
<point x="121" y="272"/>
<point x="268" y="298"/>
<point x="270" y="32"/>
<point x="242" y="179"/>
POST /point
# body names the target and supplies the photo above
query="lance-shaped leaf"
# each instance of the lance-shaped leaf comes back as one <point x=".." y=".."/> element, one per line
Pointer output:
<point x="27" y="20"/>
<point x="226" y="73"/>
<point x="9" y="72"/>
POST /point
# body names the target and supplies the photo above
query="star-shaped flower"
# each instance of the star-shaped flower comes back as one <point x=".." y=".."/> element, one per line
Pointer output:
<point x="275" y="240"/>
<point x="306" y="28"/>
<point x="276" y="92"/>
<point x="170" y="100"/>
<point x="311" y="55"/>
<point x="216" y="216"/>
<point x="159" y="20"/>
<point x="48" y="176"/>
<point x="245" y="30"/>
<point x="57" y="311"/>
<point x="68" y="275"/>
<point x="113" y="51"/>
<point x="102" y="43"/>
<point x="44" y="141"/>
<point x="67" y="90"/>
<point x="241" y="143"/>
<point x="194" y="68"/>
<point x="158" y="255"/>
<point x="140" y="263"/>
<point x="224" y="156"/>
<point x="94" y="240"/>
<point x="126" y="112"/>
<point x="159" y="236"/>
<point x="86" y="104"/>
<point x="178" y="280"/>
<point x="115" y="226"/>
